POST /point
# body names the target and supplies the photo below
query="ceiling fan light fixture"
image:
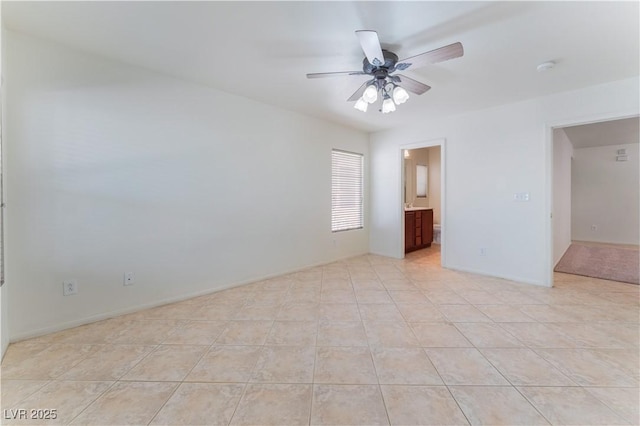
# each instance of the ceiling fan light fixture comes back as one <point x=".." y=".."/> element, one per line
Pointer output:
<point x="370" y="94"/>
<point x="361" y="105"/>
<point x="380" y="65"/>
<point x="388" y="105"/>
<point x="400" y="95"/>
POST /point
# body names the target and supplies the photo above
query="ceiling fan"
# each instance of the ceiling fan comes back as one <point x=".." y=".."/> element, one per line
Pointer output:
<point x="382" y="65"/>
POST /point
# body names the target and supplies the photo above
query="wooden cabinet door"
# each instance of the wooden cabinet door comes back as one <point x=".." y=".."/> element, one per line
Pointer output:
<point x="427" y="227"/>
<point x="418" y="229"/>
<point x="409" y="231"/>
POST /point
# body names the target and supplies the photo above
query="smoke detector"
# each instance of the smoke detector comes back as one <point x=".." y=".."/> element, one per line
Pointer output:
<point x="546" y="66"/>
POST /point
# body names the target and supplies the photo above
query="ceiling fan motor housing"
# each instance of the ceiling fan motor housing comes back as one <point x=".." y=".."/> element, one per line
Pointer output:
<point x="380" y="72"/>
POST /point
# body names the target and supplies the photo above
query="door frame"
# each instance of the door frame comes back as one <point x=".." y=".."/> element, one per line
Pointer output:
<point x="549" y="128"/>
<point x="442" y="143"/>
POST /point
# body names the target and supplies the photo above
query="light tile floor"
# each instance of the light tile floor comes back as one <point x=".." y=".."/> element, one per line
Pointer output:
<point x="369" y="340"/>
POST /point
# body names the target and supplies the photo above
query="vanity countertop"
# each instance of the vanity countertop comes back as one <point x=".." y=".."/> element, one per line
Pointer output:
<point x="413" y="209"/>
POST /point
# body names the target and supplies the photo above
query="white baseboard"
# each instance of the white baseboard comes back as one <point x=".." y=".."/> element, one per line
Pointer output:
<point x="492" y="275"/>
<point x="118" y="312"/>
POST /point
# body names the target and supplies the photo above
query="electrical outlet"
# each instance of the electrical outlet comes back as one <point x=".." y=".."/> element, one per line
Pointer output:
<point x="129" y="278"/>
<point x="483" y="251"/>
<point x="69" y="287"/>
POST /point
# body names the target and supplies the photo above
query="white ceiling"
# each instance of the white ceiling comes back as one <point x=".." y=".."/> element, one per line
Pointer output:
<point x="615" y="132"/>
<point x="262" y="50"/>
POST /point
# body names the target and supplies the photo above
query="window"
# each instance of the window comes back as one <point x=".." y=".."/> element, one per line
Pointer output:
<point x="346" y="190"/>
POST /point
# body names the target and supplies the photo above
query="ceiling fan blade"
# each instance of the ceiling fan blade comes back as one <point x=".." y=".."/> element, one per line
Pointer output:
<point x="451" y="51"/>
<point x="333" y="74"/>
<point x="358" y="93"/>
<point x="371" y="47"/>
<point x="412" y="85"/>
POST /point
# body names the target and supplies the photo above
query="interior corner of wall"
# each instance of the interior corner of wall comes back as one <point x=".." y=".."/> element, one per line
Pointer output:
<point x="4" y="327"/>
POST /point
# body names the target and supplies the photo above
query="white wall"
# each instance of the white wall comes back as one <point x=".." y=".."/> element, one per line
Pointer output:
<point x="491" y="155"/>
<point x="113" y="168"/>
<point x="4" y="331"/>
<point x="435" y="182"/>
<point x="606" y="193"/>
<point x="561" y="209"/>
<point x="4" y="305"/>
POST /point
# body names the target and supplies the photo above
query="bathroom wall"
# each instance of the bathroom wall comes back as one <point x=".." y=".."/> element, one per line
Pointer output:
<point x="435" y="183"/>
<point x="429" y="157"/>
<point x="416" y="157"/>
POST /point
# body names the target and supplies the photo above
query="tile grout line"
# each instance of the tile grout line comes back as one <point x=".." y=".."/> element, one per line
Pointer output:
<point x="115" y="382"/>
<point x="514" y="387"/>
<point x="477" y="349"/>
<point x="93" y="401"/>
<point x="609" y="405"/>
<point x="252" y="372"/>
<point x="175" y="389"/>
<point x="315" y="354"/>
<point x="373" y="363"/>
<point x="410" y="271"/>
<point x="181" y="382"/>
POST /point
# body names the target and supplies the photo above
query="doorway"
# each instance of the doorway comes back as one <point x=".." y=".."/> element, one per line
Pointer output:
<point x="594" y="192"/>
<point x="423" y="187"/>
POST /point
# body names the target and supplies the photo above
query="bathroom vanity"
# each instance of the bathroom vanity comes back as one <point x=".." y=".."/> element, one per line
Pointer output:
<point x="418" y="228"/>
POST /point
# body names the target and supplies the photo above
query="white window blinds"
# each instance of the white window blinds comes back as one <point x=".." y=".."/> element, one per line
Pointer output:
<point x="346" y="190"/>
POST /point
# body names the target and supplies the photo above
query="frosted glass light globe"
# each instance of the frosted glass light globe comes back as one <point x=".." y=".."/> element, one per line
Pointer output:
<point x="370" y="94"/>
<point x="361" y="105"/>
<point x="388" y="106"/>
<point x="400" y="95"/>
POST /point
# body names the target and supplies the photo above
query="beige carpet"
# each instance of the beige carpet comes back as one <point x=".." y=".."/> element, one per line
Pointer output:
<point x="606" y="262"/>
